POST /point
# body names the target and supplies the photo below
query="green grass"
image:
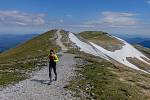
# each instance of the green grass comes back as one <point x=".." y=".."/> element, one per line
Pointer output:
<point x="10" y="77"/>
<point x="37" y="46"/>
<point x="145" y="50"/>
<point x="100" y="80"/>
<point x="102" y="38"/>
<point x="26" y="57"/>
<point x="139" y="63"/>
<point x="91" y="34"/>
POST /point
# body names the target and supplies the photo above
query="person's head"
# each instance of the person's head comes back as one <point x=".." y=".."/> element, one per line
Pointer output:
<point x="52" y="51"/>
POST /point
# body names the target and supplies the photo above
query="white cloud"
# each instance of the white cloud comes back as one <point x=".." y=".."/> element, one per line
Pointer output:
<point x="119" y="19"/>
<point x="21" y="18"/>
<point x="116" y="19"/>
<point x="81" y="26"/>
<point x="148" y="1"/>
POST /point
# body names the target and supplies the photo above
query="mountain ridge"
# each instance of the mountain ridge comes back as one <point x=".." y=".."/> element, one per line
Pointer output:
<point x="97" y="76"/>
<point x="16" y="63"/>
<point x="121" y="55"/>
<point x="138" y="40"/>
<point x="103" y="39"/>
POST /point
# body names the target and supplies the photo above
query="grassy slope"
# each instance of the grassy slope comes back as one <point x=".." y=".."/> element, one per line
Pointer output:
<point x="101" y="80"/>
<point x="103" y="39"/>
<point x="111" y="43"/>
<point x="35" y="47"/>
<point x="16" y="62"/>
<point x="139" y="63"/>
<point x="145" y="50"/>
<point x="96" y="78"/>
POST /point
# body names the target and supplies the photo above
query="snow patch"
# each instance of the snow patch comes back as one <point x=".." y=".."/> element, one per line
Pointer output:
<point x="86" y="47"/>
<point x="134" y="51"/>
<point x="119" y="55"/>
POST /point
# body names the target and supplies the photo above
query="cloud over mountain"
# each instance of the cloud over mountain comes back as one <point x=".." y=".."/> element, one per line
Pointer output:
<point x="116" y="19"/>
<point x="21" y="18"/>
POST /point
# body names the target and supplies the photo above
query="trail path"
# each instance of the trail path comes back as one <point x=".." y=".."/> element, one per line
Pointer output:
<point x="37" y="88"/>
<point x="63" y="48"/>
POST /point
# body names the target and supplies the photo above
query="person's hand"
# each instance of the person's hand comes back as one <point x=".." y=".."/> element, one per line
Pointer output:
<point x="48" y="60"/>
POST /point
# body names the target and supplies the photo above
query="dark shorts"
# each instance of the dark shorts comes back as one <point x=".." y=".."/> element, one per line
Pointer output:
<point x="52" y="64"/>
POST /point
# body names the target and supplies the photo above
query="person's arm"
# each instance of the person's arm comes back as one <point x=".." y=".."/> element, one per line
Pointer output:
<point x="48" y="58"/>
<point x="56" y="58"/>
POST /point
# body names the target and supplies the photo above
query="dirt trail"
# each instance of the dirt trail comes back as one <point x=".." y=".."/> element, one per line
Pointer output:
<point x="37" y="88"/>
<point x="63" y="48"/>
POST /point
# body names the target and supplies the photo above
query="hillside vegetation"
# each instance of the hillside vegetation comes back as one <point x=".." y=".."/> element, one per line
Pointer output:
<point x="99" y="79"/>
<point x="102" y="38"/>
<point x="144" y="50"/>
<point x="95" y="77"/>
<point x="37" y="46"/>
<point x="16" y="63"/>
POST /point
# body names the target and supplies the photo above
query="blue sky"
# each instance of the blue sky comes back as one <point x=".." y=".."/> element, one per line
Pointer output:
<point x="122" y="17"/>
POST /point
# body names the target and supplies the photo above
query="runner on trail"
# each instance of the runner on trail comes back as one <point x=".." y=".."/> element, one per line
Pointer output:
<point x="53" y="59"/>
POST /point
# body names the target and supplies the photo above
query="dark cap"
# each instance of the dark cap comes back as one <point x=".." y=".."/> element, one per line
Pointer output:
<point x="51" y="50"/>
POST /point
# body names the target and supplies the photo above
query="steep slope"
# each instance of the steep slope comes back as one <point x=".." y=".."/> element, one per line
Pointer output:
<point x="83" y="46"/>
<point x="36" y="87"/>
<point x="16" y="63"/>
<point x="35" y="47"/>
<point x="114" y="48"/>
<point x="144" y="50"/>
<point x="99" y="79"/>
<point x="102" y="38"/>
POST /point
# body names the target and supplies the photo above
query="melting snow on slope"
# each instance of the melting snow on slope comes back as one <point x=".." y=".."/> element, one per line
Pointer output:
<point x="86" y="47"/>
<point x="120" y="55"/>
<point x="133" y="51"/>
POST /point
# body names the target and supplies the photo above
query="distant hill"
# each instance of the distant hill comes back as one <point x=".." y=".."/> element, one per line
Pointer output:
<point x="138" y="40"/>
<point x="17" y="62"/>
<point x="105" y="64"/>
<point x="8" y="41"/>
<point x="33" y="47"/>
<point x="109" y="47"/>
<point x="97" y="73"/>
<point x="145" y="43"/>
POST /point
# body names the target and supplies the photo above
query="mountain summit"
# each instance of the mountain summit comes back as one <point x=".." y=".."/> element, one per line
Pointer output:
<point x="93" y="64"/>
<point x="111" y="48"/>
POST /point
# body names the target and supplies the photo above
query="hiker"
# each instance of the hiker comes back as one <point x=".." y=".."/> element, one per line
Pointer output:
<point x="53" y="59"/>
